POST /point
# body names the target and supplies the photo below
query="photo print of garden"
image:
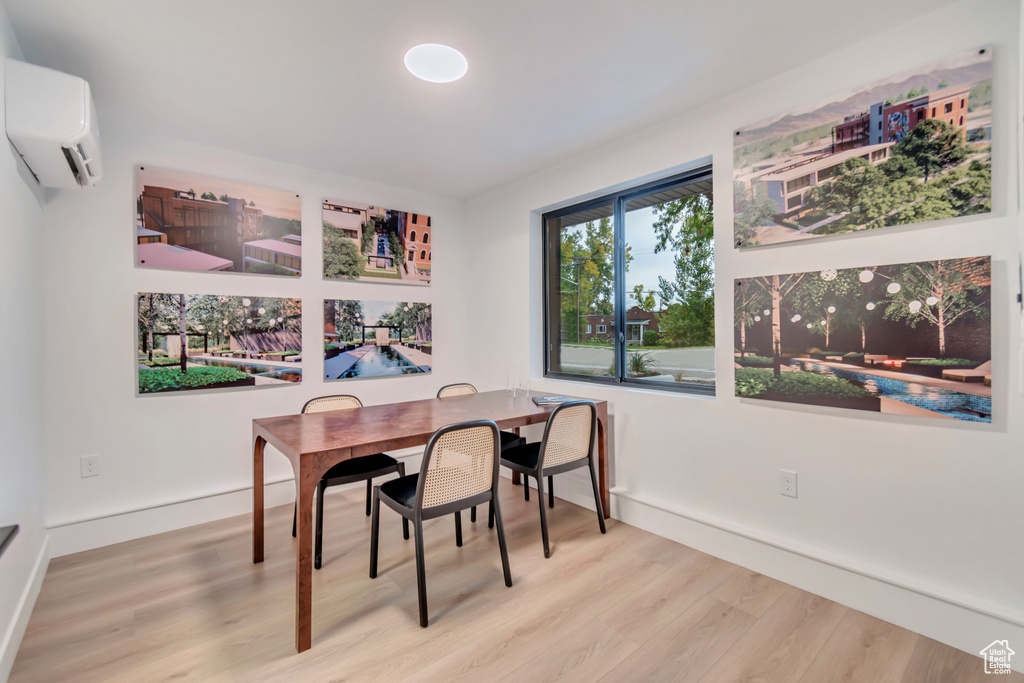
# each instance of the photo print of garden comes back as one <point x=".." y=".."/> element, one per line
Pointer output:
<point x="194" y="341"/>
<point x="912" y="148"/>
<point x="372" y="244"/>
<point x="185" y="221"/>
<point x="906" y="339"/>
<point x="376" y="338"/>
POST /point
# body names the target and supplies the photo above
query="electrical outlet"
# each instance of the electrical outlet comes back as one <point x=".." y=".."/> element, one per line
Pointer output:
<point x="787" y="483"/>
<point x="90" y="465"/>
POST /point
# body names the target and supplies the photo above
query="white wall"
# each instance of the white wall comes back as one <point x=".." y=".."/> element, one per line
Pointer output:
<point x="21" y="459"/>
<point x="917" y="521"/>
<point x="167" y="461"/>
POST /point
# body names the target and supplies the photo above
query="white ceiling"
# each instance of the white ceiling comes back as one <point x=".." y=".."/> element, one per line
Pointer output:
<point x="321" y="82"/>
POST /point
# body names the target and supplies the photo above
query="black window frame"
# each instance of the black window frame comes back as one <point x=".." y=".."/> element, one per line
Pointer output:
<point x="618" y="202"/>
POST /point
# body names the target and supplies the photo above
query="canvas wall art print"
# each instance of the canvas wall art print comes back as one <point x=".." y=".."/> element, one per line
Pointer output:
<point x="186" y="221"/>
<point x="906" y="339"/>
<point x="913" y="148"/>
<point x="376" y="339"/>
<point x="372" y="244"/>
<point x="208" y="341"/>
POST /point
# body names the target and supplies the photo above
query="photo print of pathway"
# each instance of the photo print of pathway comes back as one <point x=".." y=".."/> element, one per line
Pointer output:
<point x="371" y="244"/>
<point x="912" y="148"/>
<point x="196" y="341"/>
<point x="376" y="338"/>
<point x="906" y="339"/>
<point x="186" y="221"/>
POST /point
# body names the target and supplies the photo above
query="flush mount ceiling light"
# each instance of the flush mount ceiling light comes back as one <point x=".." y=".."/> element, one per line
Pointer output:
<point x="436" y="63"/>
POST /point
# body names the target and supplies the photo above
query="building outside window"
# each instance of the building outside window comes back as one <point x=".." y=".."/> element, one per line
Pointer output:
<point x="650" y="300"/>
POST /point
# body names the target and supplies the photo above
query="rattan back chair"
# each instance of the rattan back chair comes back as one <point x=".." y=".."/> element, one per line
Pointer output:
<point x="460" y="389"/>
<point x="459" y="470"/>
<point x="568" y="444"/>
<point x="365" y="468"/>
<point x="508" y="439"/>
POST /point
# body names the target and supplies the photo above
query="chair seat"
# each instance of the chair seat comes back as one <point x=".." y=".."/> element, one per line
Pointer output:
<point x="525" y="455"/>
<point x="510" y="440"/>
<point x="355" y="467"/>
<point x="401" y="490"/>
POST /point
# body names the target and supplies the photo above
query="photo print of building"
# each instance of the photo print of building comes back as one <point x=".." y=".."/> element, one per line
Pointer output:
<point x="372" y="244"/>
<point x="196" y="341"/>
<point x="376" y="338"/>
<point x="912" y="148"/>
<point x="905" y="339"/>
<point x="186" y="221"/>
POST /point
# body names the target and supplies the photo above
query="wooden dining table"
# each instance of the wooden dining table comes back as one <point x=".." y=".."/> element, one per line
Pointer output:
<point x="315" y="442"/>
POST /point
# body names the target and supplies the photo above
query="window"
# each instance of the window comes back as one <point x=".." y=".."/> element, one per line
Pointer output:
<point x="879" y="125"/>
<point x="961" y="120"/>
<point x="798" y="183"/>
<point x="644" y="253"/>
<point x="423" y="255"/>
<point x="412" y="236"/>
<point x="426" y="238"/>
<point x="412" y="254"/>
<point x="963" y="103"/>
<point x="920" y="115"/>
<point x="933" y="112"/>
<point x="793" y="202"/>
<point x="949" y="108"/>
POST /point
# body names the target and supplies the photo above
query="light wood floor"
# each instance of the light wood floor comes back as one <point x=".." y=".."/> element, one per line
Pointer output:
<point x="629" y="606"/>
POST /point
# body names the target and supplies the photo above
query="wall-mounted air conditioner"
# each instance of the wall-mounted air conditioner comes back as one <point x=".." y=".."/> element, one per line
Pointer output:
<point x="52" y="123"/>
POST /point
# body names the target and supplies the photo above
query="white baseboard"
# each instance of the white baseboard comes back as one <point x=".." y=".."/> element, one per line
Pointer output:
<point x="959" y="620"/>
<point x="78" y="535"/>
<point x="95" y="531"/>
<point x="16" y="629"/>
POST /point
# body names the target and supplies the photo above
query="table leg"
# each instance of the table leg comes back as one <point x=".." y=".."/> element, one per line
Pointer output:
<point x="308" y="472"/>
<point x="257" y="499"/>
<point x="304" y="565"/>
<point x="602" y="457"/>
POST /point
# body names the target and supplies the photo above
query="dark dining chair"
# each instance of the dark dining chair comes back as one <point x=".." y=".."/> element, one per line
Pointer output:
<point x="459" y="470"/>
<point x="568" y="444"/>
<point x="508" y="439"/>
<point x="365" y="468"/>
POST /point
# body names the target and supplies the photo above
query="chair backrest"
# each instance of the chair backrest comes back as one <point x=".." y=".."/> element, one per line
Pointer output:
<point x="324" y="403"/>
<point x="569" y="434"/>
<point x="461" y="460"/>
<point x="463" y="389"/>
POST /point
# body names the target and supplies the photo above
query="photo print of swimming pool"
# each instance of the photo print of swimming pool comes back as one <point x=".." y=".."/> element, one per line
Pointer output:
<point x="187" y="221"/>
<point x="371" y="244"/>
<point x="187" y="342"/>
<point x="376" y="338"/>
<point x="906" y="339"/>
